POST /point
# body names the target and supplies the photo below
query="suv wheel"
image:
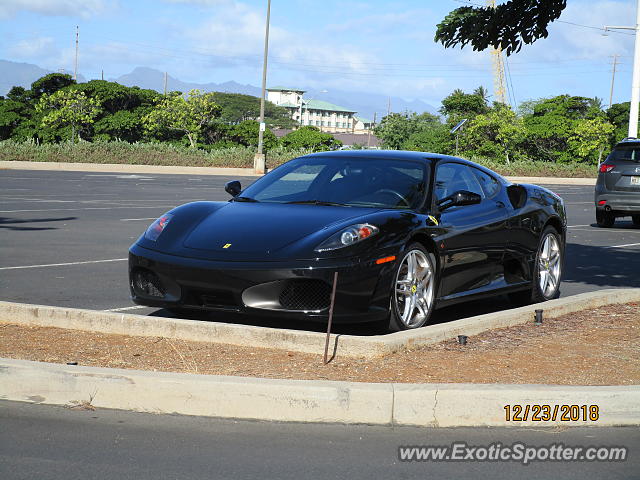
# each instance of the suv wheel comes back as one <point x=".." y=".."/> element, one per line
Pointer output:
<point x="605" y="219"/>
<point x="636" y="220"/>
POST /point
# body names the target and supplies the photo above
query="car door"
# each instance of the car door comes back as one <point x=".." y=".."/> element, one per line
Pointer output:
<point x="473" y="243"/>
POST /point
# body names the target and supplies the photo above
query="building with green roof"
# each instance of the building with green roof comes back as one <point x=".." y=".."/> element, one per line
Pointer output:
<point x="318" y="113"/>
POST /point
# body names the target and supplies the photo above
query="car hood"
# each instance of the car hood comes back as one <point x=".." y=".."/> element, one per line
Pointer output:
<point x="260" y="231"/>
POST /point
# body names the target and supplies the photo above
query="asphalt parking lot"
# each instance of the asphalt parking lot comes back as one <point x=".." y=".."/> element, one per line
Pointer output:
<point x="64" y="237"/>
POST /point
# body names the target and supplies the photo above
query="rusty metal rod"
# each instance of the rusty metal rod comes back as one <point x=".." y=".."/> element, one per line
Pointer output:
<point x="333" y="300"/>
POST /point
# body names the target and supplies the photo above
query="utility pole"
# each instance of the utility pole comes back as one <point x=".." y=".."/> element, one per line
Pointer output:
<point x="101" y="74"/>
<point x="165" y="83"/>
<point x="635" y="79"/>
<point x="369" y="136"/>
<point x="259" y="165"/>
<point x="613" y="78"/>
<point x="389" y="106"/>
<point x="75" y="70"/>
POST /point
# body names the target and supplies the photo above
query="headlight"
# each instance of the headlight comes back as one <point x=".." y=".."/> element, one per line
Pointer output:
<point x="157" y="227"/>
<point x="348" y="236"/>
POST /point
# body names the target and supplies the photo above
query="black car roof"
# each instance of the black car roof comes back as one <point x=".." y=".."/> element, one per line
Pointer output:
<point x="400" y="155"/>
<point x="627" y="141"/>
<point x="391" y="154"/>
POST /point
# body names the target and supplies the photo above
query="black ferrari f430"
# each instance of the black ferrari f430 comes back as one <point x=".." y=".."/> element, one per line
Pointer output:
<point x="407" y="232"/>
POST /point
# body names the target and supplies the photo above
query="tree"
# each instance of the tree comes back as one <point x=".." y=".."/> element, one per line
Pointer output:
<point x="50" y="84"/>
<point x="246" y="133"/>
<point x="67" y="108"/>
<point x="553" y="121"/>
<point x="395" y="129"/>
<point x="589" y="138"/>
<point x="461" y="105"/>
<point x="188" y="115"/>
<point x="237" y="108"/>
<point x="508" y="26"/>
<point x="618" y="116"/>
<point x="496" y="134"/>
<point x="309" y="137"/>
<point x="435" y="139"/>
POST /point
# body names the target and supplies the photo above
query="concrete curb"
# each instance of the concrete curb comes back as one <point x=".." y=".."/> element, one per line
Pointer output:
<point x="295" y="340"/>
<point x="123" y="168"/>
<point x="553" y="180"/>
<point x="437" y="405"/>
<point x="244" y="172"/>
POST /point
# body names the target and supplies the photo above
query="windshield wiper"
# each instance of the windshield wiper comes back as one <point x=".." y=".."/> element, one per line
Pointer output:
<point x="318" y="202"/>
<point x="244" y="199"/>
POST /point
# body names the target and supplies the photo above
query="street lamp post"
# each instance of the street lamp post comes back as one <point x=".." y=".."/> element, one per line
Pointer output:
<point x="635" y="79"/>
<point x="259" y="164"/>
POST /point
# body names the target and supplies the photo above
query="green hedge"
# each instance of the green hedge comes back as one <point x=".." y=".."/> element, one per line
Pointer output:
<point x="240" y="157"/>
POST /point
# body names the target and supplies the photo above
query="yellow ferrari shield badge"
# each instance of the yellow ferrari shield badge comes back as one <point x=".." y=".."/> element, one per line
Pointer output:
<point x="227" y="245"/>
<point x="433" y="219"/>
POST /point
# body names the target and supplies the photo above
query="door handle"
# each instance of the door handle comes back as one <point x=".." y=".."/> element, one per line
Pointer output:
<point x="500" y="204"/>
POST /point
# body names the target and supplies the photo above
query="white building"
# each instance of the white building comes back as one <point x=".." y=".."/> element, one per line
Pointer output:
<point x="326" y="116"/>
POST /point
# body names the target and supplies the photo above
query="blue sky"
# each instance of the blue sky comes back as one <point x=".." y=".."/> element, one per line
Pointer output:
<point x="381" y="47"/>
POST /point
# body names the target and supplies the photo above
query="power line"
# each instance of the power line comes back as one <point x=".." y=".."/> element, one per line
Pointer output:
<point x="512" y="92"/>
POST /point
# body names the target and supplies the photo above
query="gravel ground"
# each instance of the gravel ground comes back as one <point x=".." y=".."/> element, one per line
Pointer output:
<point x="593" y="347"/>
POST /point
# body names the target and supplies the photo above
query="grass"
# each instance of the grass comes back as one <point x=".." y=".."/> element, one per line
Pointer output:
<point x="239" y="157"/>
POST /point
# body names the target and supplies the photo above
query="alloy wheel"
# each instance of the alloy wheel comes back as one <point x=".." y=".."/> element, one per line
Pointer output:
<point x="414" y="290"/>
<point x="549" y="266"/>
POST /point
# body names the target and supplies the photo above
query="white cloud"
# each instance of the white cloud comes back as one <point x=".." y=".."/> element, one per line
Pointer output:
<point x="235" y="34"/>
<point x="33" y="48"/>
<point x="62" y="8"/>
<point x="204" y="3"/>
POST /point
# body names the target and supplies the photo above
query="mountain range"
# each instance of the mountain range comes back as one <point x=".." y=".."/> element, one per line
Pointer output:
<point x="366" y="104"/>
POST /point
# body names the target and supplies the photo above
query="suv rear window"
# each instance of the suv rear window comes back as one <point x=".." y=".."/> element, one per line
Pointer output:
<point x="629" y="153"/>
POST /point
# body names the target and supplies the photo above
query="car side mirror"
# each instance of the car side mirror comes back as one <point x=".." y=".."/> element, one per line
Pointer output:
<point x="458" y="199"/>
<point x="233" y="188"/>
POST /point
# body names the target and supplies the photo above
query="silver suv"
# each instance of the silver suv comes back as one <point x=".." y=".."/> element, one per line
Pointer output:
<point x="618" y="185"/>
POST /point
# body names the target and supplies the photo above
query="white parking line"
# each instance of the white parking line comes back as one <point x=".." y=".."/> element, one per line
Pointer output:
<point x="607" y="230"/>
<point x="135" y="307"/>
<point x="576" y="226"/>
<point x="622" y="246"/>
<point x="135" y="219"/>
<point x="76" y="209"/>
<point x="64" y="264"/>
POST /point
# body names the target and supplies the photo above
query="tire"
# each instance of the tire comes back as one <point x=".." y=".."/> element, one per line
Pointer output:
<point x="547" y="271"/>
<point x="413" y="290"/>
<point x="636" y="220"/>
<point x="605" y="219"/>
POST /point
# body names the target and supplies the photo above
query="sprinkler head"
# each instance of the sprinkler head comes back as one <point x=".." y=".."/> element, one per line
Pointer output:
<point x="462" y="339"/>
<point x="538" y="320"/>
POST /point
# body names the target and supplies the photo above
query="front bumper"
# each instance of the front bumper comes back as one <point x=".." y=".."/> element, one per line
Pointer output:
<point x="292" y="290"/>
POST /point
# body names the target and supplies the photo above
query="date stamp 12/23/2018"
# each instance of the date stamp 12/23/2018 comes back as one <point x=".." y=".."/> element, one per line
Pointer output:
<point x="552" y="413"/>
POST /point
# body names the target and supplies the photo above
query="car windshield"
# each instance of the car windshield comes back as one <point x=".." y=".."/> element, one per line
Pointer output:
<point x="344" y="181"/>
<point x="629" y="154"/>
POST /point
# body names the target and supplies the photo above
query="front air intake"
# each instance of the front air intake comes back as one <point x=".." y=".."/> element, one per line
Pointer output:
<point x="305" y="295"/>
<point x="145" y="283"/>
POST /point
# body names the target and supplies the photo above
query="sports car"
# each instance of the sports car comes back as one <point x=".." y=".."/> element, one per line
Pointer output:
<point x="407" y="232"/>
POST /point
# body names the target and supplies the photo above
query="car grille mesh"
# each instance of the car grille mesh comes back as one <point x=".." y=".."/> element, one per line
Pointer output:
<point x="147" y="283"/>
<point x="305" y="295"/>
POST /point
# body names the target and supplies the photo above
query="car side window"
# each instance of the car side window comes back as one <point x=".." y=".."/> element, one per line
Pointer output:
<point x="452" y="177"/>
<point x="490" y="185"/>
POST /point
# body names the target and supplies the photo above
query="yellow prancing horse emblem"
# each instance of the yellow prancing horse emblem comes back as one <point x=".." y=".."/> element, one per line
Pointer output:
<point x="414" y="289"/>
<point x="227" y="245"/>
